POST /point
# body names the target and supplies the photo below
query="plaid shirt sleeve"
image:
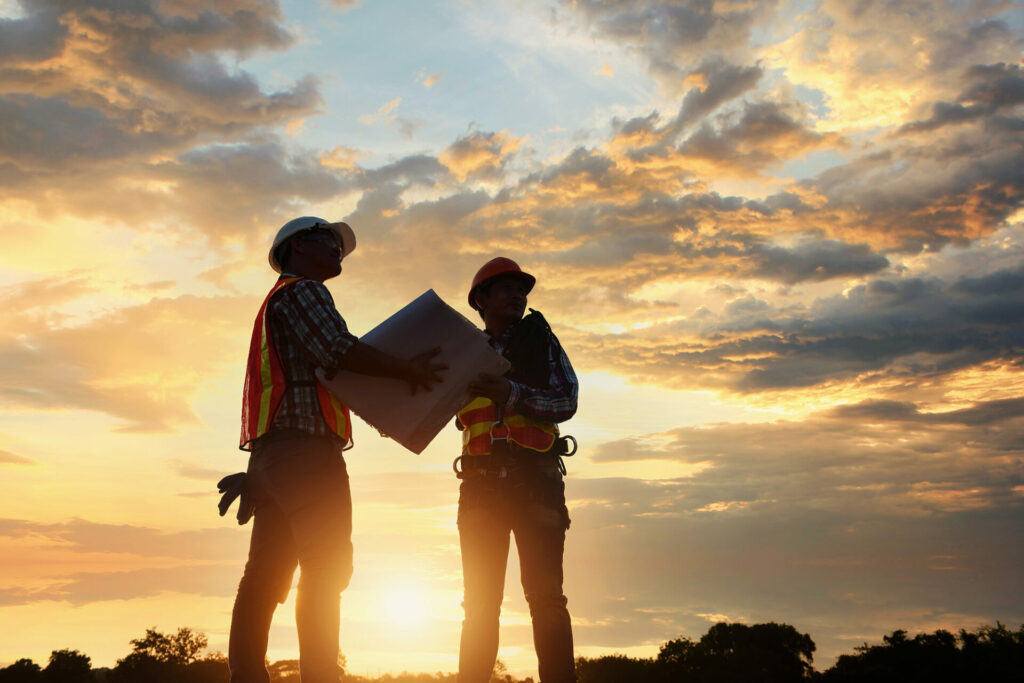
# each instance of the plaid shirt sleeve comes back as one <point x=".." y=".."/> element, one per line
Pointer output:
<point x="315" y="324"/>
<point x="557" y="401"/>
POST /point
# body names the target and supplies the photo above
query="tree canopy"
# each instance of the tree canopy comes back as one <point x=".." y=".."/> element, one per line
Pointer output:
<point x="727" y="653"/>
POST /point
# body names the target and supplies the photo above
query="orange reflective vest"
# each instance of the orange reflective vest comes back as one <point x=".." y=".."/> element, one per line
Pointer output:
<point x="265" y="384"/>
<point x="481" y="421"/>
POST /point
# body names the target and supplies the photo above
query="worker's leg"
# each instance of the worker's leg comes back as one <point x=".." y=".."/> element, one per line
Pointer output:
<point x="308" y="480"/>
<point x="539" y="524"/>
<point x="325" y="561"/>
<point x="484" y="539"/>
<point x="265" y="582"/>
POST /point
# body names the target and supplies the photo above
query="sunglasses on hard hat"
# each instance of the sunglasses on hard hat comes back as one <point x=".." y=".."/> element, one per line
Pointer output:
<point x="325" y="235"/>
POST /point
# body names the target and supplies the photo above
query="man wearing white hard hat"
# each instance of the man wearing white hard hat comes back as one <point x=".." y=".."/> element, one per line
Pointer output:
<point x="297" y="482"/>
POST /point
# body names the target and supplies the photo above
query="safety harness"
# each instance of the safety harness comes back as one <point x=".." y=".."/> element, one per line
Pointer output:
<point x="496" y="438"/>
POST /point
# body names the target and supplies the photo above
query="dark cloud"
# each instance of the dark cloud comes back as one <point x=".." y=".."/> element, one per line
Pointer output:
<point x="419" y="169"/>
<point x="984" y="414"/>
<point x="34" y="38"/>
<point x="973" y="40"/>
<point x="817" y="260"/>
<point x="887" y="329"/>
<point x="671" y="35"/>
<point x="127" y="80"/>
<point x="992" y="88"/>
<point x="956" y="184"/>
<point x="763" y="134"/>
<point x="722" y="83"/>
<point x="884" y="512"/>
<point x="232" y="191"/>
<point x="800" y="567"/>
<point x="42" y="132"/>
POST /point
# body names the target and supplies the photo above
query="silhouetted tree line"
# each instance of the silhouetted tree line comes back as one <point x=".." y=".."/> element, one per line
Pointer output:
<point x="727" y="653"/>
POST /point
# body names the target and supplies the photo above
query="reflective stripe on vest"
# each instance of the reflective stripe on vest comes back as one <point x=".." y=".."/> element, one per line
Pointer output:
<point x="477" y="420"/>
<point x="265" y="384"/>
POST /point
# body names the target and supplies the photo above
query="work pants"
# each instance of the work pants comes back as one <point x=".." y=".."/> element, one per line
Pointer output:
<point x="528" y="501"/>
<point x="299" y="486"/>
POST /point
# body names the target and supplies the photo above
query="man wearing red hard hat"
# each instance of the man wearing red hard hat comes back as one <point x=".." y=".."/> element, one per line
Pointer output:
<point x="511" y="471"/>
<point x="297" y="482"/>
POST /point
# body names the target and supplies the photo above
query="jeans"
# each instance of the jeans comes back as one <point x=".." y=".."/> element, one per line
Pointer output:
<point x="530" y="504"/>
<point x="299" y="485"/>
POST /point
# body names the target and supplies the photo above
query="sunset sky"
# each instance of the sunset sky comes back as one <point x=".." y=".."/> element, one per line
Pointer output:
<point x="782" y="243"/>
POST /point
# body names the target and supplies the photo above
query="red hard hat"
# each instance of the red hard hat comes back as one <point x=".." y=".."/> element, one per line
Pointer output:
<point x="494" y="268"/>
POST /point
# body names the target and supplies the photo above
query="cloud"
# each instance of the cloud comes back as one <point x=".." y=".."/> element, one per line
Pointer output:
<point x="885" y="330"/>
<point x="480" y="155"/>
<point x="384" y="113"/>
<point x="993" y="88"/>
<point x="817" y="260"/>
<point x="868" y="74"/>
<point x="883" y="459"/>
<point x="886" y="513"/>
<point x="83" y="537"/>
<point x="34" y="38"/>
<point x="8" y="458"/>
<point x="671" y="35"/>
<point x="190" y="470"/>
<point x="718" y="82"/>
<point x="981" y="415"/>
<point x="762" y="135"/>
<point x="429" y="80"/>
<point x="89" y="587"/>
<point x="111" y="363"/>
<point x="84" y="85"/>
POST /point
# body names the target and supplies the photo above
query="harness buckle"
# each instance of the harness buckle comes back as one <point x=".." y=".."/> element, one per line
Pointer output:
<point x="495" y="439"/>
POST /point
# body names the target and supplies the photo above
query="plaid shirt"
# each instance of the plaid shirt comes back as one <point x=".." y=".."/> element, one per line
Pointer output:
<point x="554" y="403"/>
<point x="308" y="332"/>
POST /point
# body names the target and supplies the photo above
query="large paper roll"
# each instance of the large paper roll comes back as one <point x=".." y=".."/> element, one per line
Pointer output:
<point x="387" y="404"/>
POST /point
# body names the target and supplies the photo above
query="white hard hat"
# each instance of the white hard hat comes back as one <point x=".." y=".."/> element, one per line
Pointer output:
<point x="346" y="237"/>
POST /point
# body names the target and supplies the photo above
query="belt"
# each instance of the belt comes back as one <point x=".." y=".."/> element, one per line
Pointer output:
<point x="506" y="455"/>
<point x="288" y="433"/>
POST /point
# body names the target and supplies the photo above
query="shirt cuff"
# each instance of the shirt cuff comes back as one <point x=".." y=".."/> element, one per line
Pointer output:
<point x="338" y="349"/>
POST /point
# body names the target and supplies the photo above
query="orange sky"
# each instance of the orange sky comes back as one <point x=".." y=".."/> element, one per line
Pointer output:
<point x="781" y="242"/>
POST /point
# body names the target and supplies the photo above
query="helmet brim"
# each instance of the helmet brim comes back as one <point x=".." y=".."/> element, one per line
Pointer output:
<point x="343" y="231"/>
<point x="527" y="279"/>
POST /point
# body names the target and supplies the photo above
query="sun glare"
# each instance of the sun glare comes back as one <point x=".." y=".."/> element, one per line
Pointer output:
<point x="404" y="605"/>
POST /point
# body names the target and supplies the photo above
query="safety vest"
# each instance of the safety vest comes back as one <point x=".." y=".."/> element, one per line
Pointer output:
<point x="265" y="384"/>
<point x="480" y="423"/>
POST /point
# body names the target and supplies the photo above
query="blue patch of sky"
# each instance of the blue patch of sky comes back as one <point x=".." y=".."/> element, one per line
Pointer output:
<point x="814" y="99"/>
<point x="374" y="54"/>
<point x="785" y="22"/>
<point x="811" y="165"/>
<point x="1014" y="18"/>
